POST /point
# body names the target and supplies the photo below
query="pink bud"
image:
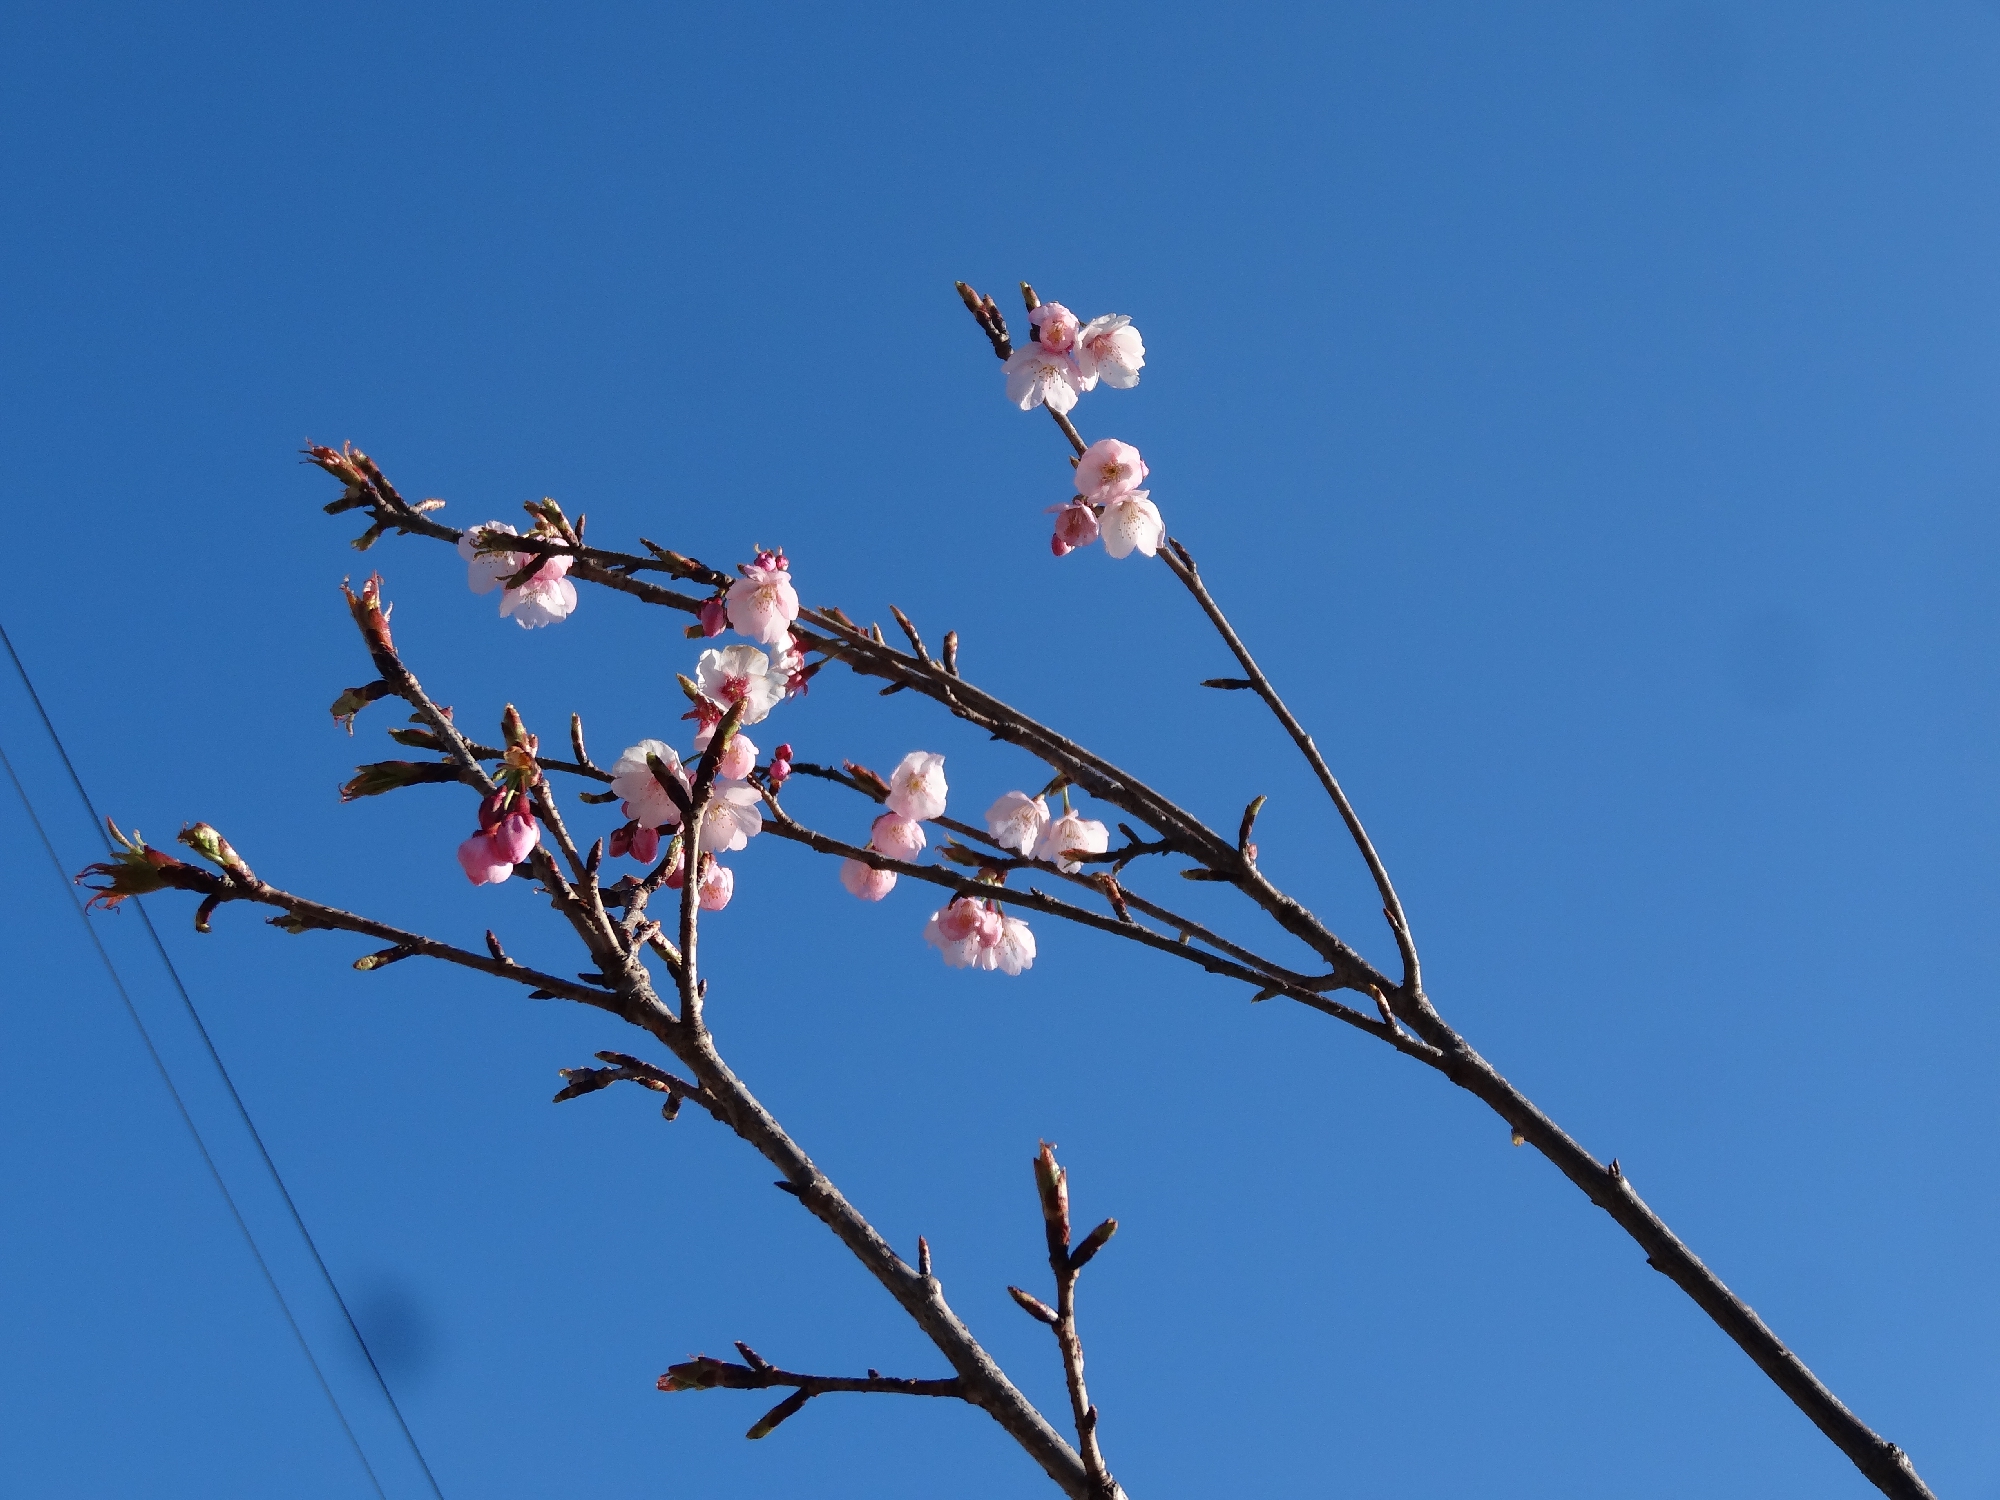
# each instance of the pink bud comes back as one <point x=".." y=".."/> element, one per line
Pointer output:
<point x="714" y="617"/>
<point x="481" y="862"/>
<point x="492" y="808"/>
<point x="783" y="752"/>
<point x="621" y="840"/>
<point x="780" y="769"/>
<point x="645" y="845"/>
<point x="516" y="837"/>
<point x="1076" y="526"/>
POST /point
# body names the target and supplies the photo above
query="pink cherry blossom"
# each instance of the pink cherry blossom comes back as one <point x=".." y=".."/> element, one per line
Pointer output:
<point x="897" y="837"/>
<point x="739" y="759"/>
<point x="762" y="603"/>
<point x="718" y="884"/>
<point x="1035" y="376"/>
<point x="1055" y="327"/>
<point x="481" y="862"/>
<point x="735" y="816"/>
<point x="917" y="789"/>
<point x="547" y="596"/>
<point x="1132" y="521"/>
<point x="865" y="881"/>
<point x="1110" y="349"/>
<point x="1016" y="821"/>
<point x="971" y="934"/>
<point x="740" y="673"/>
<point x="960" y="931"/>
<point x="1071" y="831"/>
<point x="516" y="837"/>
<point x="1107" y="470"/>
<point x="645" y="799"/>
<point x="544" y="599"/>
<point x="1076" y="526"/>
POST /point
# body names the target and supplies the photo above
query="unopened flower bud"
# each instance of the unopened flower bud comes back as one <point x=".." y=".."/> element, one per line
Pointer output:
<point x="621" y="841"/>
<point x="714" y="617"/>
<point x="645" y="844"/>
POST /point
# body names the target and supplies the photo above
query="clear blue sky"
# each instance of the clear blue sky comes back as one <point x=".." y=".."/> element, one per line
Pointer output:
<point x="1588" y="412"/>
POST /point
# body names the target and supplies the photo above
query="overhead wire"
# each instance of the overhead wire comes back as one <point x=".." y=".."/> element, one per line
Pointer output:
<point x="229" y="1084"/>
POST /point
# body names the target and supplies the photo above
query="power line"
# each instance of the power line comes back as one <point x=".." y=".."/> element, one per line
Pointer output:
<point x="242" y="1110"/>
<point x="187" y="1119"/>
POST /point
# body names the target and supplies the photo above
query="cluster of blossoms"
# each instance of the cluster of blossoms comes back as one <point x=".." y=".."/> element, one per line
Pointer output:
<point x="545" y="597"/>
<point x="507" y="832"/>
<point x="1109" y="503"/>
<point x="1065" y="358"/>
<point x="1022" y="823"/>
<point x="762" y="605"/>
<point x="969" y="933"/>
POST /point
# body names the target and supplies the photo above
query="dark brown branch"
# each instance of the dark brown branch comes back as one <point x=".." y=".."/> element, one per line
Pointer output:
<point x="1181" y="564"/>
<point x="1052" y="1186"/>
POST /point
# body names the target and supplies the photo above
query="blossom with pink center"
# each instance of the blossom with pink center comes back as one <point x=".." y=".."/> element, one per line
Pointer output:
<point x="865" y="881"/>
<point x="646" y="800"/>
<point x="482" y="863"/>
<point x="762" y="603"/>
<point x="1076" y="526"/>
<point x="547" y="596"/>
<point x="735" y="816"/>
<point x="1132" y="521"/>
<point x="740" y="674"/>
<point x="1071" y="832"/>
<point x="1055" y="327"/>
<point x="1107" y="470"/>
<point x="516" y="837"/>
<point x="897" y="837"/>
<point x="738" y="760"/>
<point x="543" y="599"/>
<point x="961" y="930"/>
<point x="971" y="934"/>
<point x="917" y="789"/>
<point x="1016" y="821"/>
<point x="1110" y="349"/>
<point x="1035" y="376"/>
<point x="718" y="884"/>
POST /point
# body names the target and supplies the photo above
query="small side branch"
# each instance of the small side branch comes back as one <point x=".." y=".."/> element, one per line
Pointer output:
<point x="705" y="1374"/>
<point x="1180" y="562"/>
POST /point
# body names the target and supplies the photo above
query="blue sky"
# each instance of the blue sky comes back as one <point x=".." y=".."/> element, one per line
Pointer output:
<point x="1587" y="412"/>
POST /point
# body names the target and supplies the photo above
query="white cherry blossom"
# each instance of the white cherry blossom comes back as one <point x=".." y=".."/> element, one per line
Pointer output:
<point x="1110" y="349"/>
<point x="1016" y="821"/>
<point x="1035" y="376"/>
<point x="646" y="800"/>
<point x="1071" y="831"/>
<point x="735" y="816"/>
<point x="917" y="789"/>
<point x="548" y="596"/>
<point x="740" y="673"/>
<point x="1132" y="521"/>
